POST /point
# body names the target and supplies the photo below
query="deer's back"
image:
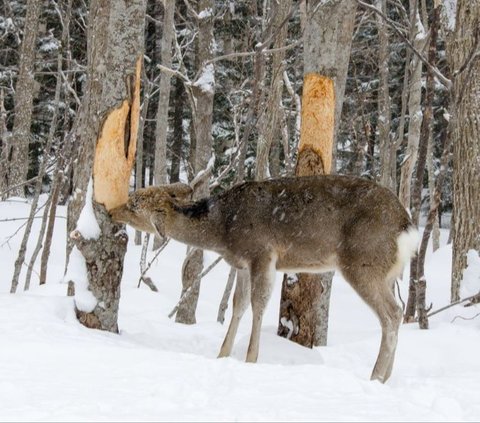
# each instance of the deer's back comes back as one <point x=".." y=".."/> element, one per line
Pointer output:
<point x="309" y="218"/>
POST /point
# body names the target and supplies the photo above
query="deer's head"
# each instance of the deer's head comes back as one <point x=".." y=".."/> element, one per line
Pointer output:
<point x="147" y="208"/>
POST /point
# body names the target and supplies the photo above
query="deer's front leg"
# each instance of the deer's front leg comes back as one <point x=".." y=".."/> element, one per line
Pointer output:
<point x="240" y="304"/>
<point x="262" y="275"/>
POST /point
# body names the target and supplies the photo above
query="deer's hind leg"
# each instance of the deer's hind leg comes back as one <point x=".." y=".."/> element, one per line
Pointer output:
<point x="378" y="294"/>
<point x="262" y="275"/>
<point x="241" y="298"/>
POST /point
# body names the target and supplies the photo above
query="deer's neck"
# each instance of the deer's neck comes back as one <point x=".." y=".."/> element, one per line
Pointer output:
<point x="194" y="225"/>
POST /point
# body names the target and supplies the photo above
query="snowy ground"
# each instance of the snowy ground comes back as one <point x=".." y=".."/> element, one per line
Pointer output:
<point x="53" y="369"/>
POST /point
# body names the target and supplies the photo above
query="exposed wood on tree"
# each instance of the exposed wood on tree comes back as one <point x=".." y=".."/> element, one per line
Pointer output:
<point x="115" y="150"/>
<point x="316" y="133"/>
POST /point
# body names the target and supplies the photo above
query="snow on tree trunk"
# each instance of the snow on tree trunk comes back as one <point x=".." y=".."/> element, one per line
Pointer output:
<point x="108" y="135"/>
<point x="466" y="138"/>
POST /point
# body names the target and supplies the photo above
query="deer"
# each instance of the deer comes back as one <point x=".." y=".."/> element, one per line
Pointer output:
<point x="308" y="224"/>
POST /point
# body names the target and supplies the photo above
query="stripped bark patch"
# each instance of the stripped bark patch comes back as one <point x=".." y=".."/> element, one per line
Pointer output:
<point x="115" y="150"/>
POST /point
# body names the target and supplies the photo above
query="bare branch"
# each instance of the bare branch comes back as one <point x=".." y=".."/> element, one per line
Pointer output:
<point x="439" y="75"/>
<point x="194" y="286"/>
<point x="473" y="297"/>
<point x="147" y="268"/>
<point x="465" y="318"/>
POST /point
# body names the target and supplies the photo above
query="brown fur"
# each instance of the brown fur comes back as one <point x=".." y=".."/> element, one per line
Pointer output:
<point x="308" y="224"/>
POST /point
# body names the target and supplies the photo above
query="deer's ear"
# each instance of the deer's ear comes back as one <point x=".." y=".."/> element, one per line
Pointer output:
<point x="179" y="191"/>
<point x="157" y="222"/>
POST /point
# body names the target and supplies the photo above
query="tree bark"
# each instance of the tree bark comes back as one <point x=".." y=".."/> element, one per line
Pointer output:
<point x="414" y="108"/>
<point x="178" y="135"/>
<point x="269" y="125"/>
<point x="24" y="91"/>
<point x="5" y="145"/>
<point x="38" y="189"/>
<point x="108" y="135"/>
<point x="417" y="278"/>
<point x="203" y="91"/>
<point x="160" y="171"/>
<point x="140" y="157"/>
<point x="305" y="298"/>
<point x="387" y="148"/>
<point x="164" y="95"/>
<point x="461" y="46"/>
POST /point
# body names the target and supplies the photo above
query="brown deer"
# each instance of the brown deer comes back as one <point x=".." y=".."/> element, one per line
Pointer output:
<point x="306" y="224"/>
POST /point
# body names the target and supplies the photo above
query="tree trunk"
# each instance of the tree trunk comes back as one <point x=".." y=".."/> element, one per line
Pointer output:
<point x="24" y="91"/>
<point x="417" y="281"/>
<point x="164" y="96"/>
<point x="466" y="133"/>
<point x="38" y="189"/>
<point x="5" y="143"/>
<point x="203" y="91"/>
<point x="269" y="125"/>
<point x="387" y="148"/>
<point x="305" y="298"/>
<point x="178" y="136"/>
<point x="431" y="189"/>
<point x="414" y="108"/>
<point x="108" y="135"/>
<point x="48" y="217"/>
<point x="139" y="161"/>
<point x="160" y="171"/>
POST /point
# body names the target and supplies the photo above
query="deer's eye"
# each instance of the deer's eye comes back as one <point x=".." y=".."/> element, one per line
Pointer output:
<point x="132" y="203"/>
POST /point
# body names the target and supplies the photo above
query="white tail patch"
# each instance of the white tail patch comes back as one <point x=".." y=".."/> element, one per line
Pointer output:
<point x="408" y="244"/>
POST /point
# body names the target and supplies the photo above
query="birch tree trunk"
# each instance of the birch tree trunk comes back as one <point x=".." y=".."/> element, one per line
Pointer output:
<point x="203" y="91"/>
<point x="305" y="297"/>
<point x="24" y="90"/>
<point x="414" y="108"/>
<point x="108" y="136"/>
<point x="462" y="46"/>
